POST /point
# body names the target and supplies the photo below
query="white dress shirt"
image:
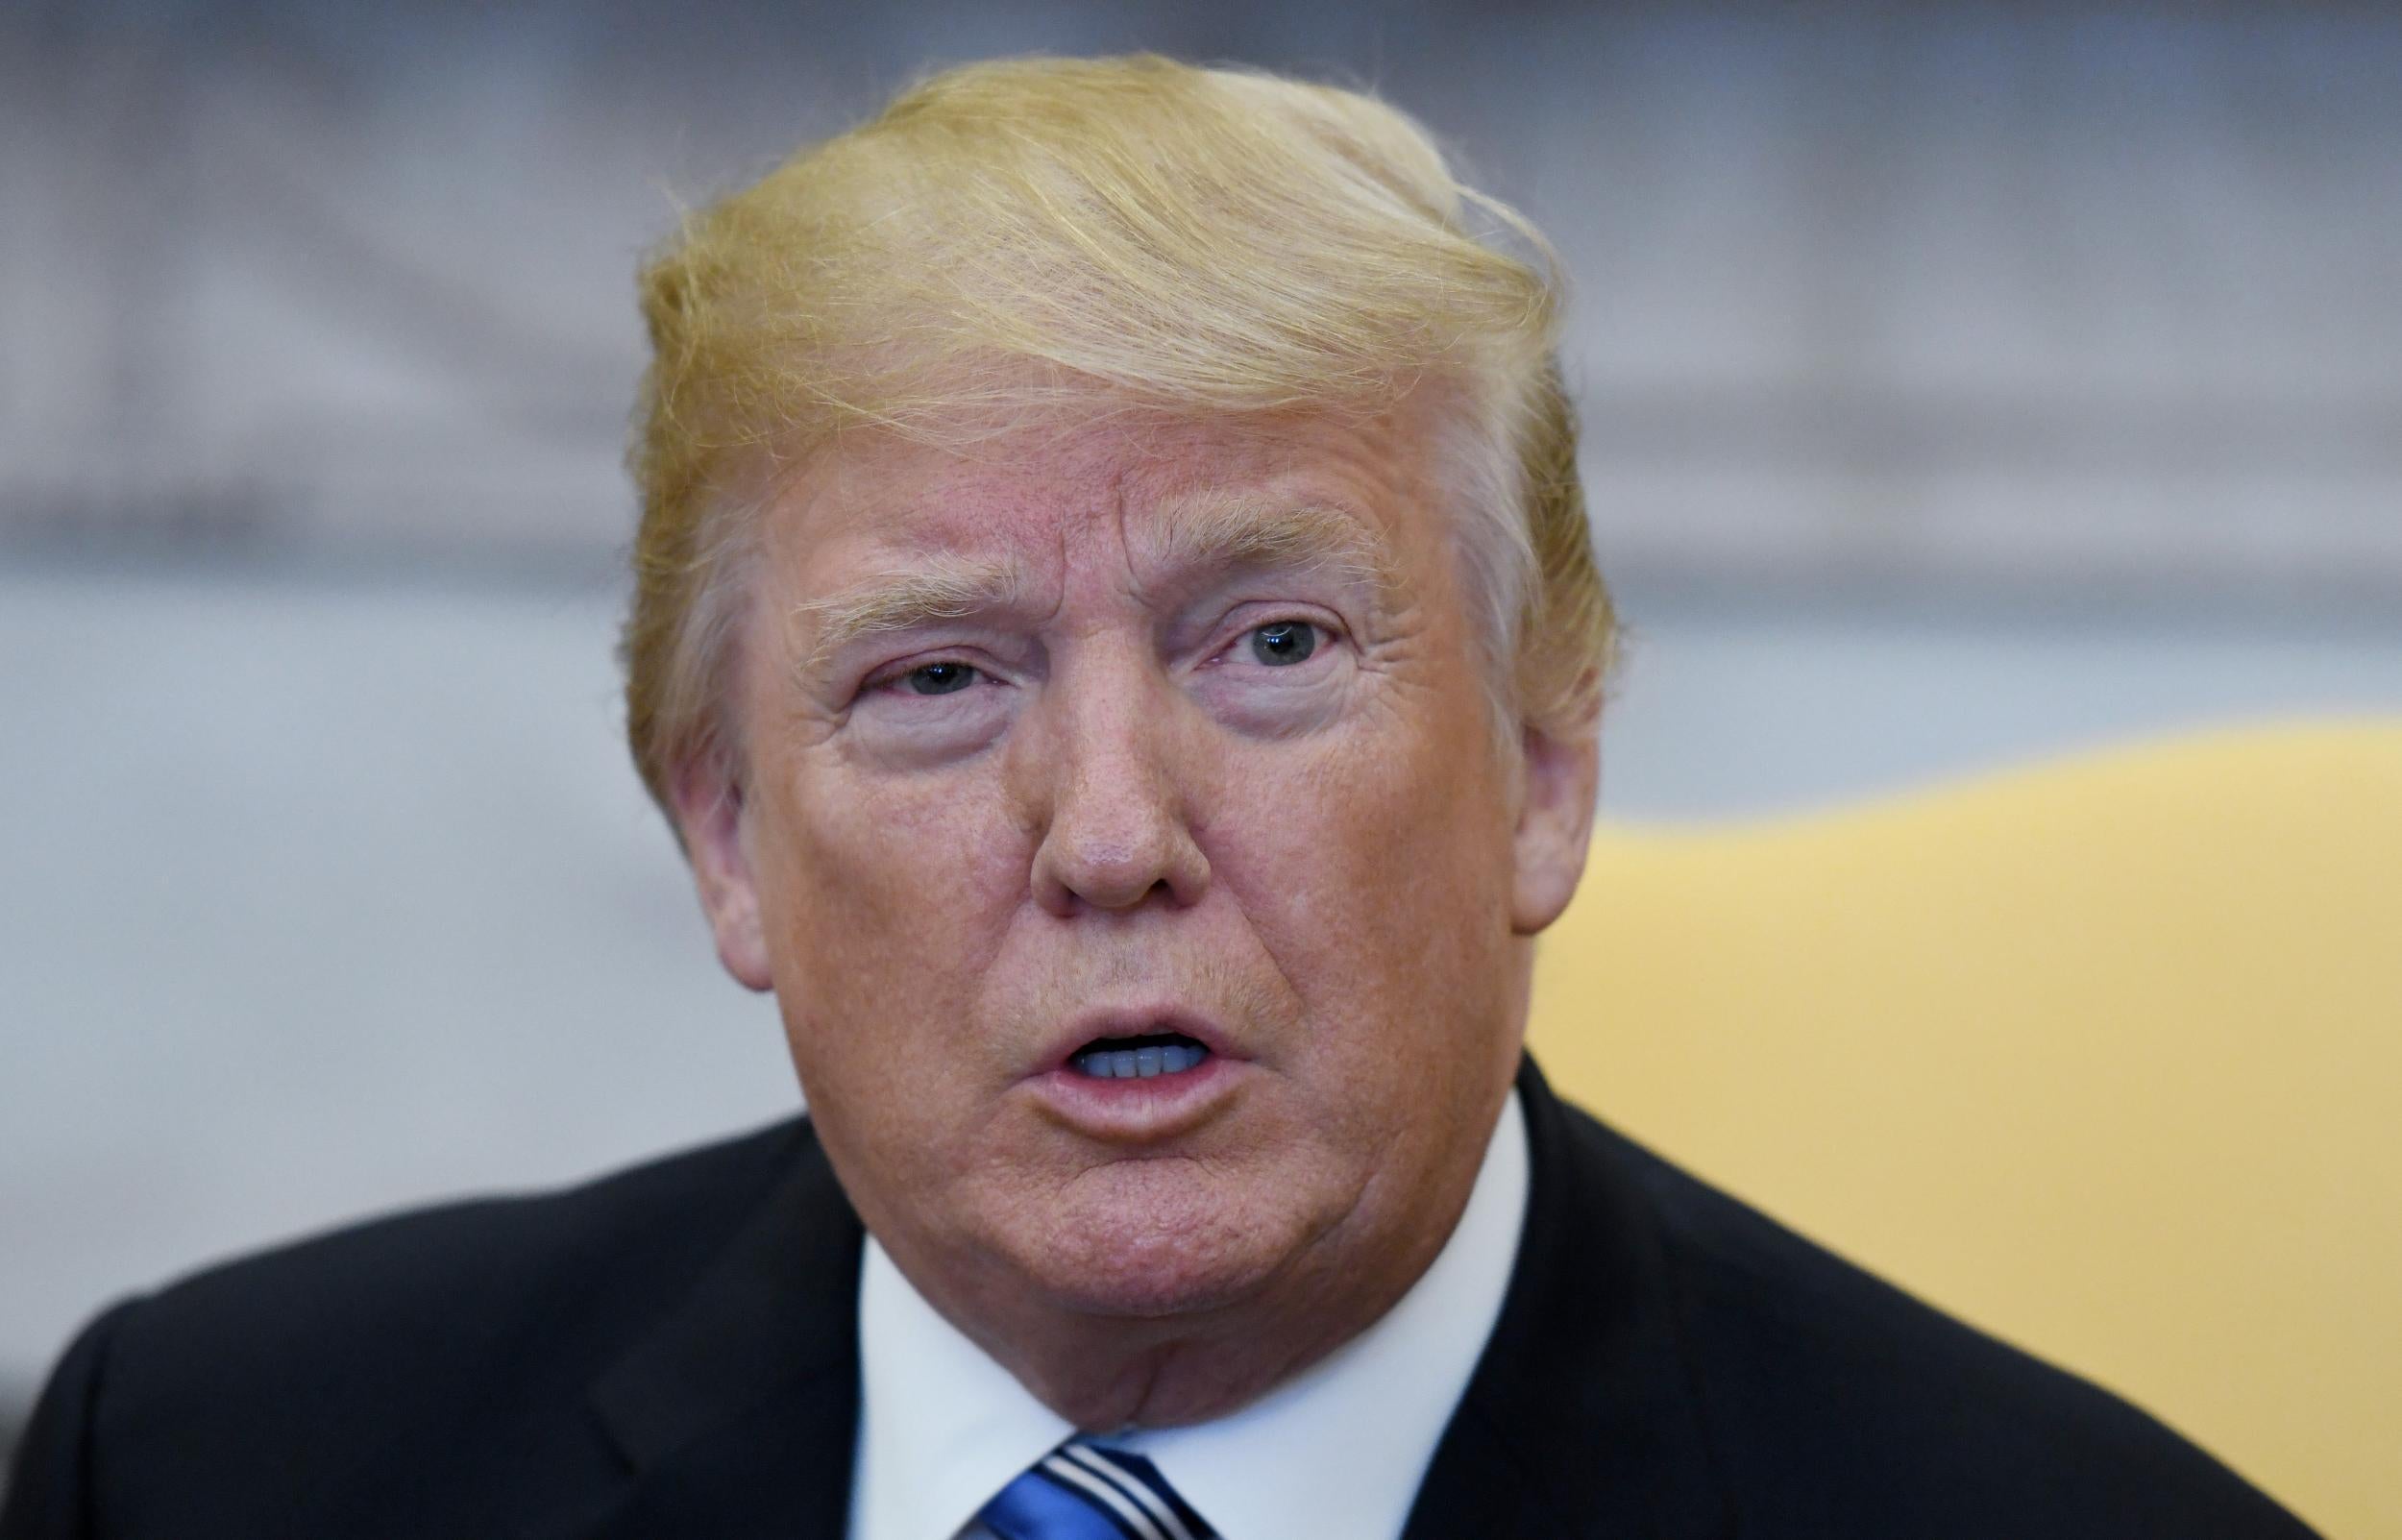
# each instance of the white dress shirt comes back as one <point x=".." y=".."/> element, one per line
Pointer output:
<point x="1336" y="1452"/>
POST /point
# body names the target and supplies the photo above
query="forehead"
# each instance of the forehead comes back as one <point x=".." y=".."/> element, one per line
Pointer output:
<point x="1144" y="483"/>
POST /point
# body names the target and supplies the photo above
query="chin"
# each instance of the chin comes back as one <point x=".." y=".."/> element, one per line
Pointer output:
<point x="1160" y="1242"/>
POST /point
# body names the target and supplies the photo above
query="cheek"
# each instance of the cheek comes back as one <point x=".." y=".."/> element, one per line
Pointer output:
<point x="1376" y="876"/>
<point x="887" y="901"/>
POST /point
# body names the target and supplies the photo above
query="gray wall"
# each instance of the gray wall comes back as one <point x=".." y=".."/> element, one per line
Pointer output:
<point x="2067" y="297"/>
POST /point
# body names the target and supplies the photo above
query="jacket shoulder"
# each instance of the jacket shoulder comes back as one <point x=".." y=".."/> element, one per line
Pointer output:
<point x="1837" y="1404"/>
<point x="459" y="1338"/>
<point x="564" y="1262"/>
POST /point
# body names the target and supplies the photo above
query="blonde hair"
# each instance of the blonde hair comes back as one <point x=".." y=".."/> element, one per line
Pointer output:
<point x="1025" y="235"/>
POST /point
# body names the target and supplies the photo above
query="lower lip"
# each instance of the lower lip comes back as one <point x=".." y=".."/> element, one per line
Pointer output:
<point x="1137" y="1109"/>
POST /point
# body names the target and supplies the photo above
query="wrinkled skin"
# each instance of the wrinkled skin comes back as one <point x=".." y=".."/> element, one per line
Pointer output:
<point x="953" y="835"/>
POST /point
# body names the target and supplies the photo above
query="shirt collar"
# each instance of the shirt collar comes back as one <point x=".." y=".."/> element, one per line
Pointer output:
<point x="1337" y="1452"/>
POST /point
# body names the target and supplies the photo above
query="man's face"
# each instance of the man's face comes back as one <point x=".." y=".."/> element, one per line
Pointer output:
<point x="1150" y="746"/>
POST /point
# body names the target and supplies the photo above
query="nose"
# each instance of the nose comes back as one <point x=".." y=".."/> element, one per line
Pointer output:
<point x="1111" y="807"/>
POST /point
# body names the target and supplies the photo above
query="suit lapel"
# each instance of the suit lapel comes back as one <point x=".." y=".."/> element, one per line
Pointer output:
<point x="1581" y="1418"/>
<point x="737" y="1414"/>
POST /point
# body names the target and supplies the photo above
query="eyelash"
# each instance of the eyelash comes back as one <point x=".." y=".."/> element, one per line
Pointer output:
<point x="893" y="681"/>
<point x="1321" y="633"/>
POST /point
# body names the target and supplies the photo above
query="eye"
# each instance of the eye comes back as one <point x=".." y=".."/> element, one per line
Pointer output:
<point x="1284" y="642"/>
<point x="935" y="679"/>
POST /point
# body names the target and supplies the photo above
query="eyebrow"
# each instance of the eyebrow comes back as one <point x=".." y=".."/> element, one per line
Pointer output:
<point x="943" y="587"/>
<point x="1217" y="532"/>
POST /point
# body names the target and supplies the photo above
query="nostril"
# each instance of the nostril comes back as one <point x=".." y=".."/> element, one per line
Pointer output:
<point x="1117" y="854"/>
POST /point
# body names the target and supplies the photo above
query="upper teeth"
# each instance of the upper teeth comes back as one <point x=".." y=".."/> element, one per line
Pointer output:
<point x="1139" y="1064"/>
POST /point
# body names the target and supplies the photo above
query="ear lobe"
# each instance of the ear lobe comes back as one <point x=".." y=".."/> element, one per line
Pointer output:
<point x="1561" y="779"/>
<point x="708" y="804"/>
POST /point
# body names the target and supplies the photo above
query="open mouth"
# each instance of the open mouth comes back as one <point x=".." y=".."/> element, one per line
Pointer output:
<point x="1138" y="1058"/>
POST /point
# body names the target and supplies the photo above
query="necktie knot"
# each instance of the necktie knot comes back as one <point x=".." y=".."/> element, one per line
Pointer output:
<point x="1087" y="1492"/>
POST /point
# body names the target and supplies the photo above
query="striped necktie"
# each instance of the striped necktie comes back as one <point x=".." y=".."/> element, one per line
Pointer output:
<point x="1084" y="1492"/>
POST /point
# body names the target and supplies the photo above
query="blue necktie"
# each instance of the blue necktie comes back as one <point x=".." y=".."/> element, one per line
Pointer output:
<point x="1084" y="1492"/>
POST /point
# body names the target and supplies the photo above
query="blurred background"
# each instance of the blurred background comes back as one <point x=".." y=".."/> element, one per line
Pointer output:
<point x="1964" y="385"/>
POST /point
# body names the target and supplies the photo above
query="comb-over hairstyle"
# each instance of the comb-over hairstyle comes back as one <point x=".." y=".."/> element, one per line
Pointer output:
<point x="1023" y="238"/>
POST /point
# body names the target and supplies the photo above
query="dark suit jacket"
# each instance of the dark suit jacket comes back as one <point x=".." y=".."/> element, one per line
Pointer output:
<point x="672" y="1351"/>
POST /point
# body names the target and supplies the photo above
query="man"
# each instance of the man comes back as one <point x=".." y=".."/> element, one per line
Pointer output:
<point x="1115" y="636"/>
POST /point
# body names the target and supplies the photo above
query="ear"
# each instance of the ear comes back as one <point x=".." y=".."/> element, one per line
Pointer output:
<point x="708" y="800"/>
<point x="1561" y="779"/>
